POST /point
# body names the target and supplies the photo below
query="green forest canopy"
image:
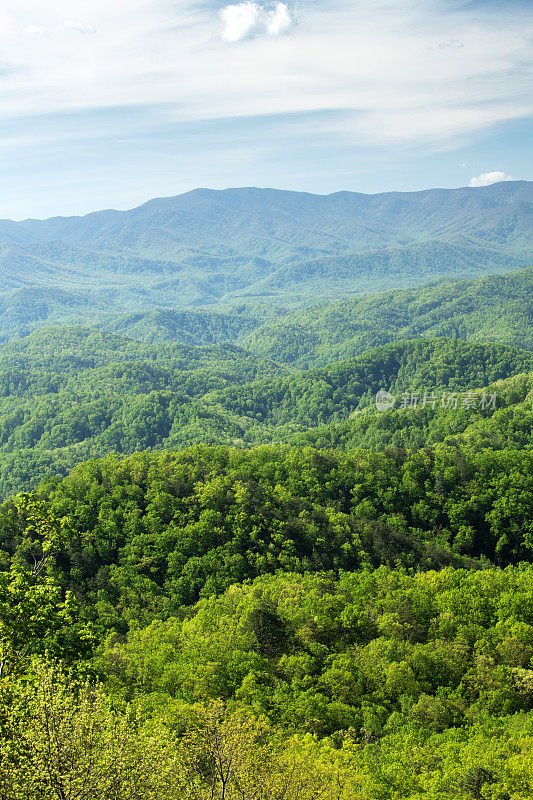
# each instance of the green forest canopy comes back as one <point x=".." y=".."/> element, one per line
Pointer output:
<point x="74" y="393"/>
<point x="346" y="613"/>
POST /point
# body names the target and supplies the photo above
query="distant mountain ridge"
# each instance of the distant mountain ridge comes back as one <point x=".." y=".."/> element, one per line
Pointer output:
<point x="334" y="218"/>
<point x="209" y="247"/>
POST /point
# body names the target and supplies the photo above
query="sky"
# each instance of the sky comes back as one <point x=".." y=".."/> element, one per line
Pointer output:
<point x="105" y="104"/>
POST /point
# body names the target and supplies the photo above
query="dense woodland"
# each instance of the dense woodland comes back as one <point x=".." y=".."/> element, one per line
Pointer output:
<point x="226" y="575"/>
<point x="495" y="308"/>
<point x="67" y="394"/>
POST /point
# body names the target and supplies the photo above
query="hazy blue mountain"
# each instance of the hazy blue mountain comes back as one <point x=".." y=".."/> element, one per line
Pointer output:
<point x="277" y="224"/>
<point x="209" y="247"/>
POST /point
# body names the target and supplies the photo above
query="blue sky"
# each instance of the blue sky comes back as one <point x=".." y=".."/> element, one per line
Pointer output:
<point x="106" y="104"/>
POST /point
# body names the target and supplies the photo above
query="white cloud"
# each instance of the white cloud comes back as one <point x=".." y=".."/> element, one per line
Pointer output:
<point x="243" y="19"/>
<point x="34" y="30"/>
<point x="278" y="20"/>
<point x="486" y="178"/>
<point x="78" y="27"/>
<point x="239" y="20"/>
<point x="451" y="44"/>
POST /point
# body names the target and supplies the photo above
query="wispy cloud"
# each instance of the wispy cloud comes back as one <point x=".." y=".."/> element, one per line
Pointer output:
<point x="78" y="27"/>
<point x="404" y="78"/>
<point x="35" y="30"/>
<point x="487" y="178"/>
<point x="380" y="63"/>
<point x="451" y="44"/>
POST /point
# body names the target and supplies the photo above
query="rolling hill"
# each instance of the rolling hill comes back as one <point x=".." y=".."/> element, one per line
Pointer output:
<point x="220" y="554"/>
<point x="495" y="308"/>
<point x="67" y="394"/>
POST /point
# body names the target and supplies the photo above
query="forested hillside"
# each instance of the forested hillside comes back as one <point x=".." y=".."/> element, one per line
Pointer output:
<point x="154" y="531"/>
<point x="353" y="637"/>
<point x="71" y="393"/>
<point x="498" y="308"/>
<point x="259" y="553"/>
<point x="414" y="422"/>
<point x="207" y="248"/>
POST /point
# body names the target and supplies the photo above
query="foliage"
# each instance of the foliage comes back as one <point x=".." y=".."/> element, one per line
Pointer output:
<point x="494" y="308"/>
<point x="343" y="612"/>
<point x="360" y="656"/>
<point x="70" y="394"/>
<point x="508" y="426"/>
<point x="36" y="615"/>
<point x="60" y="739"/>
<point x="151" y="532"/>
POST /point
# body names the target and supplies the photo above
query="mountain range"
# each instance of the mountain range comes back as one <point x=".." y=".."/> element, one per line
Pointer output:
<point x="251" y="246"/>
